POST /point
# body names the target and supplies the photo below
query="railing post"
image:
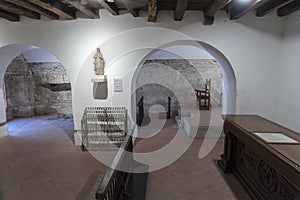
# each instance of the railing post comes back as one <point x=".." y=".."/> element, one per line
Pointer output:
<point x="169" y="108"/>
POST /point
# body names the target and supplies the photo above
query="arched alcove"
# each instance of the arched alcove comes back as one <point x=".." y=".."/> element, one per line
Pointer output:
<point x="229" y="80"/>
<point x="46" y="77"/>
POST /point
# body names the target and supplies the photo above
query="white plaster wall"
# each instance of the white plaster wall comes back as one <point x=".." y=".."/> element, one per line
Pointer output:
<point x="288" y="80"/>
<point x="252" y="45"/>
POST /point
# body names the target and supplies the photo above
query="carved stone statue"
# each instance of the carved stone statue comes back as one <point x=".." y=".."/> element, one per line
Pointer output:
<point x="98" y="63"/>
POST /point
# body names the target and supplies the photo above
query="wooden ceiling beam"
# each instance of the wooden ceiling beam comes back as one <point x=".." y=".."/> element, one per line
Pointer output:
<point x="133" y="11"/>
<point x="34" y="8"/>
<point x="88" y="12"/>
<point x="214" y="6"/>
<point x="12" y="8"/>
<point x="212" y="9"/>
<point x="288" y="8"/>
<point x="236" y="14"/>
<point x="110" y="7"/>
<point x="53" y="9"/>
<point x="152" y="10"/>
<point x="269" y="6"/>
<point x="9" y="16"/>
<point x="181" y="6"/>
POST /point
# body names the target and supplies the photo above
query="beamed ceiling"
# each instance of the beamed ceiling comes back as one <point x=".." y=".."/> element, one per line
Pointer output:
<point x="11" y="10"/>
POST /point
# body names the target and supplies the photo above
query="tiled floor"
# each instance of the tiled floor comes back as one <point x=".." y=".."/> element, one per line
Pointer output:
<point x="38" y="161"/>
<point x="189" y="177"/>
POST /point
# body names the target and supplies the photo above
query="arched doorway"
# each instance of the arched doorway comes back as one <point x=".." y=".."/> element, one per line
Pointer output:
<point x="36" y="83"/>
<point x="229" y="80"/>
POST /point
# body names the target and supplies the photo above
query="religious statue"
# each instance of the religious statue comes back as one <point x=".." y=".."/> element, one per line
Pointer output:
<point x="98" y="63"/>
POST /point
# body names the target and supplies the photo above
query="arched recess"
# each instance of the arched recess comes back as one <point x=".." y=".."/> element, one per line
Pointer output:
<point x="7" y="54"/>
<point x="229" y="79"/>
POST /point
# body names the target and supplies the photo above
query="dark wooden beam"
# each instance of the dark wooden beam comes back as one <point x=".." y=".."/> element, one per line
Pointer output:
<point x="237" y="13"/>
<point x="33" y="7"/>
<point x="109" y="6"/>
<point x="133" y="11"/>
<point x="9" y="16"/>
<point x="211" y="10"/>
<point x="76" y="4"/>
<point x="53" y="9"/>
<point x="208" y="20"/>
<point x="12" y="8"/>
<point x="214" y="6"/>
<point x="180" y="9"/>
<point x="152" y="10"/>
<point x="288" y="8"/>
<point x="269" y="6"/>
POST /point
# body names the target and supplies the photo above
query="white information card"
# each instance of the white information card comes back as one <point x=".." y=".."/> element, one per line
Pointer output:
<point x="275" y="137"/>
<point x="118" y="86"/>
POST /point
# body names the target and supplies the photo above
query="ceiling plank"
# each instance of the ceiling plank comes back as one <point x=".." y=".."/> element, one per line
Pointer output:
<point x="236" y="14"/>
<point x="34" y="8"/>
<point x="12" y="8"/>
<point x="53" y="9"/>
<point x="288" y="8"/>
<point x="76" y="4"/>
<point x="110" y="7"/>
<point x="9" y="16"/>
<point x="152" y="10"/>
<point x="269" y="6"/>
<point x="180" y="9"/>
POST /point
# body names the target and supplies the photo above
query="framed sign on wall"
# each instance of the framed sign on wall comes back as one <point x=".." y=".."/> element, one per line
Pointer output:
<point x="118" y="85"/>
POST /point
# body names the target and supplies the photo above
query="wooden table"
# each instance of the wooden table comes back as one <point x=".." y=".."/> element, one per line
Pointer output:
<point x="267" y="170"/>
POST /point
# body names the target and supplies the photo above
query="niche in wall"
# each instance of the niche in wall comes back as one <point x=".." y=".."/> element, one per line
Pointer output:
<point x="37" y="89"/>
<point x="195" y="71"/>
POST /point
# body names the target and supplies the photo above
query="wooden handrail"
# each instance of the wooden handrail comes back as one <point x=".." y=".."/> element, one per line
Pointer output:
<point x="114" y="182"/>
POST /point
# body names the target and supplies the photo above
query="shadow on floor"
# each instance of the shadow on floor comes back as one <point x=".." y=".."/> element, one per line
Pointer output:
<point x="232" y="182"/>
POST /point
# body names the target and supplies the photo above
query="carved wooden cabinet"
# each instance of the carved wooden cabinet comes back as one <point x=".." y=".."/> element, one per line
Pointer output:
<point x="266" y="169"/>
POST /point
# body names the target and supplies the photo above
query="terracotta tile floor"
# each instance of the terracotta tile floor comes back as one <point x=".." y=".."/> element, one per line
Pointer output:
<point x="38" y="161"/>
<point x="189" y="177"/>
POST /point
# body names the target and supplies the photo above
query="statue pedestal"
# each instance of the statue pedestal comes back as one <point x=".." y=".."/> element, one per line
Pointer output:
<point x="100" y="87"/>
<point x="100" y="79"/>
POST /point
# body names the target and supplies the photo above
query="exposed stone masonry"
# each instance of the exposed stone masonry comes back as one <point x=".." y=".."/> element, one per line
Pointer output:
<point x="195" y="71"/>
<point x="37" y="89"/>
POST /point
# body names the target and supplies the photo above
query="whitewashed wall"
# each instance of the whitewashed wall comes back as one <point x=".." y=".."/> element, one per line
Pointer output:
<point x="252" y="46"/>
<point x="287" y="83"/>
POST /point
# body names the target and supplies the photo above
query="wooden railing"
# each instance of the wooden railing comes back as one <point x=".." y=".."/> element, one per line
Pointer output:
<point x="114" y="183"/>
<point x="140" y="112"/>
<point x="169" y="108"/>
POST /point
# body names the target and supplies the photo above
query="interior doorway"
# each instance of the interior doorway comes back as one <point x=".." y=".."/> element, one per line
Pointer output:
<point x="35" y="83"/>
<point x="182" y="67"/>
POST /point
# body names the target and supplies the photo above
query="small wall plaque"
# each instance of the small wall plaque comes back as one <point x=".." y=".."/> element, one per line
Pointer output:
<point x="118" y="85"/>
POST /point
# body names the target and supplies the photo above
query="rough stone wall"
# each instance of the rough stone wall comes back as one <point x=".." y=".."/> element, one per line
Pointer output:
<point x="19" y="89"/>
<point x="195" y="71"/>
<point x="51" y="93"/>
<point x="37" y="89"/>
